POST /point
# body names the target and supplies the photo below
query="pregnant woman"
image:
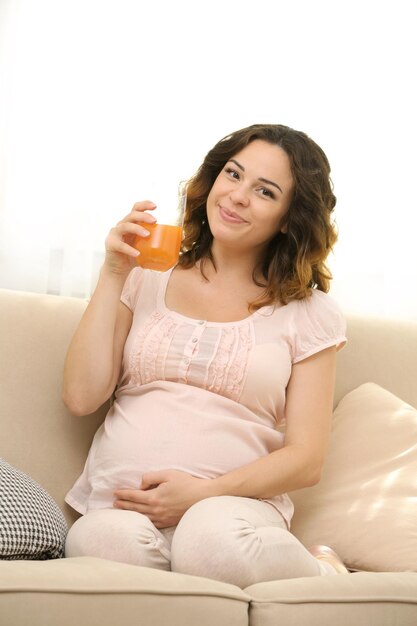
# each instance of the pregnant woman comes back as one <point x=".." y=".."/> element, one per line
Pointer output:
<point x="223" y="370"/>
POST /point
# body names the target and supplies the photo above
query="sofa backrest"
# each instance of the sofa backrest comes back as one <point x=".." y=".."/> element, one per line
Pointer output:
<point x="41" y="437"/>
<point x="382" y="351"/>
<point x="37" y="433"/>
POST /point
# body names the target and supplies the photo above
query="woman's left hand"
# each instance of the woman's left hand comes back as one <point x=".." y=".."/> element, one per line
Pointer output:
<point x="164" y="496"/>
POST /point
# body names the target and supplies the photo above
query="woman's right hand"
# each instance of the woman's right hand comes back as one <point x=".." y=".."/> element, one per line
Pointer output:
<point x="120" y="253"/>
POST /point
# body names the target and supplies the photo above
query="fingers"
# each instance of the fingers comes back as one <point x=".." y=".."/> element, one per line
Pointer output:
<point x="135" y="500"/>
<point x="157" y="514"/>
<point x="144" y="205"/>
<point x="153" y="479"/>
<point x="139" y="214"/>
<point x="137" y="217"/>
<point x="121" y="237"/>
<point x="129" y="228"/>
<point x="127" y="505"/>
<point x="115" y="242"/>
<point x="133" y="495"/>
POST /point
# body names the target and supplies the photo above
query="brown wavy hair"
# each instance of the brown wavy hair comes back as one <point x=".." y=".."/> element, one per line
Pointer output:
<point x="294" y="261"/>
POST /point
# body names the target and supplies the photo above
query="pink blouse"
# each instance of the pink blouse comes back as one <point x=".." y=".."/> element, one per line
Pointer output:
<point x="201" y="397"/>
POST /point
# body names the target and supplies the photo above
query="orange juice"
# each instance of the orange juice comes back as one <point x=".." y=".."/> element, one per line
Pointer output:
<point x="160" y="250"/>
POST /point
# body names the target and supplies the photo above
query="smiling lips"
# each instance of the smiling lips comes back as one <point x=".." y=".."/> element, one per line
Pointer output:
<point x="231" y="216"/>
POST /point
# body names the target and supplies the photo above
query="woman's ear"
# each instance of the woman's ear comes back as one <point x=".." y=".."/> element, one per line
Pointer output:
<point x="284" y="228"/>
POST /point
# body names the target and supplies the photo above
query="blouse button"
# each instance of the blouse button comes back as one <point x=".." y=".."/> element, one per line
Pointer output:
<point x="195" y="339"/>
<point x="201" y="321"/>
<point x="187" y="361"/>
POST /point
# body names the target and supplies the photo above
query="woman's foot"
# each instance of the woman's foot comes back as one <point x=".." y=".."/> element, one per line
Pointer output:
<point x="324" y="553"/>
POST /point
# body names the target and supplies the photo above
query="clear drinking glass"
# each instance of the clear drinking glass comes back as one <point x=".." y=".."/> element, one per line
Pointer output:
<point x="160" y="251"/>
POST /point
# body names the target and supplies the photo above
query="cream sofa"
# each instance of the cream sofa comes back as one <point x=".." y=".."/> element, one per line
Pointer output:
<point x="40" y="437"/>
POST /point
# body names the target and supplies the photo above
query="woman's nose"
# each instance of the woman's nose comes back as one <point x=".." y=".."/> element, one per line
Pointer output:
<point x="240" y="195"/>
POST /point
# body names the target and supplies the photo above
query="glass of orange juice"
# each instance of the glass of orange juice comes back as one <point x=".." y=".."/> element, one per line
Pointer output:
<point x="160" y="251"/>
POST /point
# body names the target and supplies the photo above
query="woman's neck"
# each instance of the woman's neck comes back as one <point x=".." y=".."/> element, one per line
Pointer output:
<point x="231" y="264"/>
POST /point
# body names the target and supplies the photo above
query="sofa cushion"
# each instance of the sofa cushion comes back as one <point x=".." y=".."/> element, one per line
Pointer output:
<point x="365" y="506"/>
<point x="31" y="524"/>
<point x="362" y="599"/>
<point x="97" y="592"/>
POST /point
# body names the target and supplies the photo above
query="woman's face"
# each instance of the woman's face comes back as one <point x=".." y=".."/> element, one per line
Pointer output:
<point x="250" y="197"/>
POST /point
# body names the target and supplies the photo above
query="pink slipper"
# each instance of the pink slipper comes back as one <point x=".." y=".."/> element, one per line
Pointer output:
<point x="324" y="553"/>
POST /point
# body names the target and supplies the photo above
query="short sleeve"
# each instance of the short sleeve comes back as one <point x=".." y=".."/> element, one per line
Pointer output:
<point x="132" y="288"/>
<point x="318" y="324"/>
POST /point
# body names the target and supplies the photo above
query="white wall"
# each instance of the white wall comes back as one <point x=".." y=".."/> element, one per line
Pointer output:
<point x="103" y="100"/>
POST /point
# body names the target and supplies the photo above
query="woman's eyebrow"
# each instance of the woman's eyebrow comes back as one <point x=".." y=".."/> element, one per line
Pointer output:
<point x="270" y="182"/>
<point x="263" y="180"/>
<point x="238" y="164"/>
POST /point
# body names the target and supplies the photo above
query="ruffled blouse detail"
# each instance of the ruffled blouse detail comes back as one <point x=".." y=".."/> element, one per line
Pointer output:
<point x="213" y="358"/>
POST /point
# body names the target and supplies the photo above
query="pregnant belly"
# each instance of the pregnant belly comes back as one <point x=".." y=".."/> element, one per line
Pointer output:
<point x="158" y="430"/>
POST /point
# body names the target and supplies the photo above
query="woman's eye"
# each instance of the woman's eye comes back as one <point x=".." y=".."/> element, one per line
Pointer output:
<point x="266" y="192"/>
<point x="233" y="173"/>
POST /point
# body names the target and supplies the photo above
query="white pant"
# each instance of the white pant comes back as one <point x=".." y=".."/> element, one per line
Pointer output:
<point x="236" y="540"/>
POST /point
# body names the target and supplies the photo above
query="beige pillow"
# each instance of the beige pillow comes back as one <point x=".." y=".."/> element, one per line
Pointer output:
<point x="365" y="506"/>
